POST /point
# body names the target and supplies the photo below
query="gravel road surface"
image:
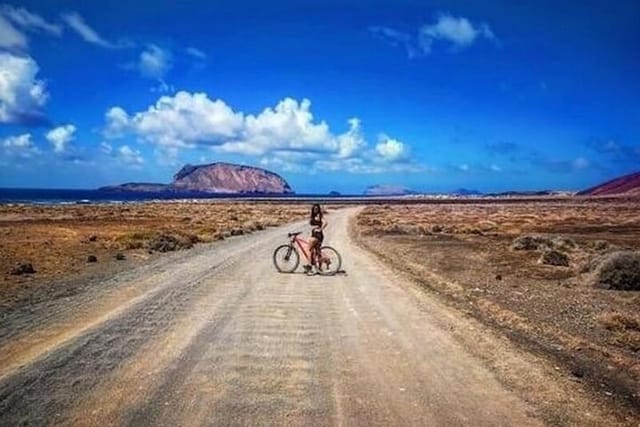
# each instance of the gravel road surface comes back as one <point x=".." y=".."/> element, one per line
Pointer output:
<point x="215" y="336"/>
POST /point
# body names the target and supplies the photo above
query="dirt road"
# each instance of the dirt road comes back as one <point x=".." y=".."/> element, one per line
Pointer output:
<point x="215" y="336"/>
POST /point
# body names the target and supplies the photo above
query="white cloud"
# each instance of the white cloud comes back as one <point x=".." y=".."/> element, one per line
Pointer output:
<point x="15" y="21"/>
<point x="287" y="135"/>
<point x="288" y="126"/>
<point x="22" y="141"/>
<point x="154" y="62"/>
<point x="464" y="167"/>
<point x="21" y="95"/>
<point x="352" y="141"/>
<point x="196" y="53"/>
<point x="495" y="168"/>
<point x="184" y="120"/>
<point x="29" y="21"/>
<point x="19" y="146"/>
<point x="129" y="156"/>
<point x="460" y="32"/>
<point x="390" y="149"/>
<point x="117" y="122"/>
<point x="60" y="137"/>
<point x="88" y="34"/>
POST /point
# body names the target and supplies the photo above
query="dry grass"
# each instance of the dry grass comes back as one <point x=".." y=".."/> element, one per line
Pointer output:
<point x="489" y="259"/>
<point x="624" y="329"/>
<point x="57" y="240"/>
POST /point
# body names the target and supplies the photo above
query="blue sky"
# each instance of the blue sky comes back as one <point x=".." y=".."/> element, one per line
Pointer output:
<point x="432" y="95"/>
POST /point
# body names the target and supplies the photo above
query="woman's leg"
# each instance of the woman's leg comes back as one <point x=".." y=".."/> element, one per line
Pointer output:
<point x="313" y="242"/>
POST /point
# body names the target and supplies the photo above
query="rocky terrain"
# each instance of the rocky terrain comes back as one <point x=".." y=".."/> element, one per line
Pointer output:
<point x="223" y="178"/>
<point x="627" y="184"/>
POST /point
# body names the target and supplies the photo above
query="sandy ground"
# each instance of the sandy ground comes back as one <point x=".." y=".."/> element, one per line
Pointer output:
<point x="215" y="336"/>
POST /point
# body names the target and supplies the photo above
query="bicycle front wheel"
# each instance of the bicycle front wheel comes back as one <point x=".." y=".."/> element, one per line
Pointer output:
<point x="330" y="261"/>
<point x="286" y="258"/>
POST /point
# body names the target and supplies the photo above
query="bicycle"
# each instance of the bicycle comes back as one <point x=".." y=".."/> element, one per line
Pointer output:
<point x="286" y="258"/>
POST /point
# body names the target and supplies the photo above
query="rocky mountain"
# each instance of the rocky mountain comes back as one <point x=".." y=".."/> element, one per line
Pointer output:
<point x="223" y="178"/>
<point x="387" y="190"/>
<point x="627" y="184"/>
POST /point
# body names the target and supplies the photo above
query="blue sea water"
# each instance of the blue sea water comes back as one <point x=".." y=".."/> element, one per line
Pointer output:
<point x="66" y="196"/>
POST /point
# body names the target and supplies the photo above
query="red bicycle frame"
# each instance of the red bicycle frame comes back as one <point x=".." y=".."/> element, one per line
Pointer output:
<point x="303" y="245"/>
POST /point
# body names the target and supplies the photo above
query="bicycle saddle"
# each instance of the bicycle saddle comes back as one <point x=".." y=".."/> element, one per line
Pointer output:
<point x="295" y="234"/>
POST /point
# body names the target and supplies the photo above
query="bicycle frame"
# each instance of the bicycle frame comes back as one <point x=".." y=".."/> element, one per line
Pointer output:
<point x="303" y="245"/>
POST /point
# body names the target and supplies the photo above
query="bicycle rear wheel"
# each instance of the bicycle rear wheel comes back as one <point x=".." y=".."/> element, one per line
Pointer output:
<point x="330" y="261"/>
<point x="286" y="258"/>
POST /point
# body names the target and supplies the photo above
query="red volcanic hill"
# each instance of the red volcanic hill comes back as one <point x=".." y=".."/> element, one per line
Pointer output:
<point x="229" y="178"/>
<point x="627" y="184"/>
<point x="221" y="178"/>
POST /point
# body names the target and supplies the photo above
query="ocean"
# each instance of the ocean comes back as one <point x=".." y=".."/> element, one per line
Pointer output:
<point x="48" y="196"/>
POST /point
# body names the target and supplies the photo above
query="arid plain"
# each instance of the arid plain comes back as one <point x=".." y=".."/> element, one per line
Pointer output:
<point x="534" y="271"/>
<point x="530" y="271"/>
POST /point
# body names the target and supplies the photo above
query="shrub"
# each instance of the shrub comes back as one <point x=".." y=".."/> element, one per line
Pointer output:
<point x="553" y="257"/>
<point x="166" y="242"/>
<point x="600" y="245"/>
<point x="530" y="243"/>
<point x="563" y="243"/>
<point x="619" y="270"/>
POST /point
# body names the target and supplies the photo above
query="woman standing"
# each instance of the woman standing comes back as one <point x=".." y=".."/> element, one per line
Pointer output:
<point x="318" y="225"/>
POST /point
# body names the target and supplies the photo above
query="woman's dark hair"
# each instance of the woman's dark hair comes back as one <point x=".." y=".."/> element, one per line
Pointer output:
<point x="315" y="211"/>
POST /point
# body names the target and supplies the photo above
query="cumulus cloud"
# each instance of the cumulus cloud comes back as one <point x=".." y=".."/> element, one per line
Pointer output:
<point x="19" y="146"/>
<point x="182" y="120"/>
<point x="287" y="135"/>
<point x="77" y="23"/>
<point x="61" y="136"/>
<point x="22" y="96"/>
<point x="458" y="31"/>
<point x="390" y="149"/>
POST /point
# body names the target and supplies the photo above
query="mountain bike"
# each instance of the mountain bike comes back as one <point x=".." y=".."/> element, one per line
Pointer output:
<point x="286" y="258"/>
